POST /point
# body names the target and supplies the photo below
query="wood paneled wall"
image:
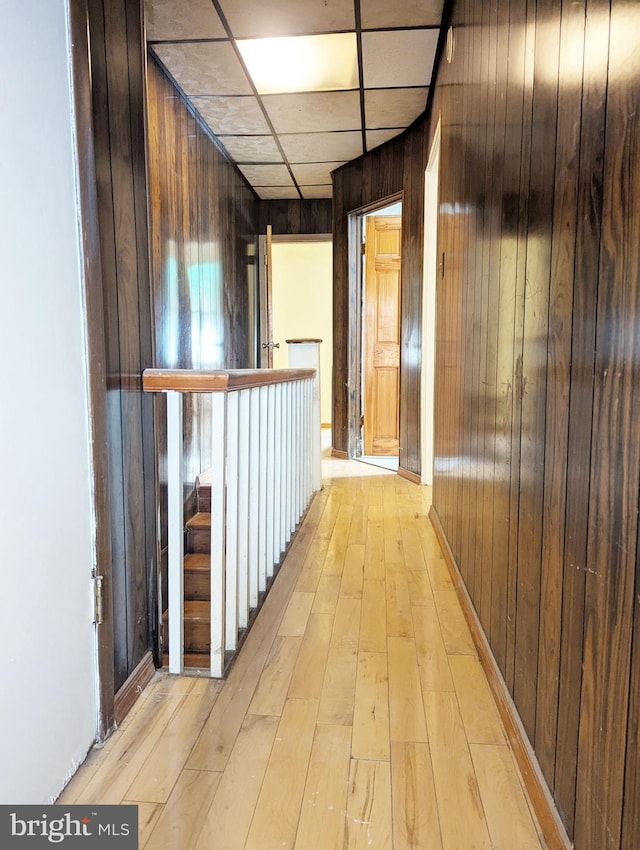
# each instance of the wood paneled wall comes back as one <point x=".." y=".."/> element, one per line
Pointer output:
<point x="296" y="217"/>
<point x="117" y="75"/>
<point x="204" y="222"/>
<point x="538" y="448"/>
<point x="537" y="469"/>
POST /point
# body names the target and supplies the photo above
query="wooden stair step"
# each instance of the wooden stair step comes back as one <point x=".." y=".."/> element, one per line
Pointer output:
<point x="199" y="533"/>
<point x="204" y="497"/>
<point x="197" y="577"/>
<point x="197" y="626"/>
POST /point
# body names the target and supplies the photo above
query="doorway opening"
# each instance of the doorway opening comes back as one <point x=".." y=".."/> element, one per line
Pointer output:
<point x="376" y="235"/>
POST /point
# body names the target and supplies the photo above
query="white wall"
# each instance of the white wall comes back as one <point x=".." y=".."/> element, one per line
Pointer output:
<point x="47" y="676"/>
<point x="302" y="294"/>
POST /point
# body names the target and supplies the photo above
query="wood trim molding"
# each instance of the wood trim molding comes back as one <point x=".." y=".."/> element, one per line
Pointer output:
<point x="410" y="476"/>
<point x="133" y="687"/>
<point x="300" y="341"/>
<point x="552" y="827"/>
<point x="339" y="454"/>
<point x="195" y="381"/>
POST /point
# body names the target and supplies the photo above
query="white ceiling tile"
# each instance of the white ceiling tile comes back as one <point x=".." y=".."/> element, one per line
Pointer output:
<point x="314" y="112"/>
<point x="252" y="148"/>
<point x="255" y="18"/>
<point x="393" y="107"/>
<point x="177" y="19"/>
<point x="202" y="68"/>
<point x="379" y="137"/>
<point x="319" y="147"/>
<point x="267" y="175"/>
<point x="314" y="173"/>
<point x="317" y="191"/>
<point x="398" y="57"/>
<point x="275" y="193"/>
<point x="232" y="115"/>
<point x="381" y="14"/>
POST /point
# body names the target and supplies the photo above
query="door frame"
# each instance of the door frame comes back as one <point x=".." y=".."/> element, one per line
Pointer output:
<point x="87" y="200"/>
<point x="354" y="359"/>
<point x="265" y="294"/>
<point x="429" y="290"/>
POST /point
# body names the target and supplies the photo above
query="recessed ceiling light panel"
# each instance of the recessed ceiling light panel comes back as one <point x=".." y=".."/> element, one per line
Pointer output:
<point x="302" y="63"/>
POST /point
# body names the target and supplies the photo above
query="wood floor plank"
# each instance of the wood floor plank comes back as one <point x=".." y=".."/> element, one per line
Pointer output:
<point x="462" y="820"/>
<point x="413" y="554"/>
<point x="271" y="692"/>
<point x="295" y="617"/>
<point x="373" y="619"/>
<point x="227" y="822"/>
<point x="407" y="721"/>
<point x="159" y="773"/>
<point x="183" y="815"/>
<point x="420" y="588"/>
<point x="433" y="661"/>
<point x="358" y="527"/>
<point x="277" y="811"/>
<point x="339" y="686"/>
<point x="312" y="567"/>
<point x="353" y="573"/>
<point x="129" y="753"/>
<point x="393" y="552"/>
<point x="322" y="817"/>
<point x="326" y="597"/>
<point x="399" y="619"/>
<point x="416" y="825"/>
<point x="213" y="747"/>
<point x="374" y="544"/>
<point x="139" y="718"/>
<point x="455" y="631"/>
<point x="501" y="791"/>
<point x="309" y="670"/>
<point x="482" y="724"/>
<point x="368" y="822"/>
<point x="148" y="814"/>
<point x="371" y="712"/>
<point x="337" y="549"/>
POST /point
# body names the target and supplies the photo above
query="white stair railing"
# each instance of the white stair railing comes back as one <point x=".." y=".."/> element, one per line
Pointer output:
<point x="265" y="438"/>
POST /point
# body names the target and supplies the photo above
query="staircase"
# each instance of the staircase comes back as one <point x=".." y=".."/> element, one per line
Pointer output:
<point x="197" y="585"/>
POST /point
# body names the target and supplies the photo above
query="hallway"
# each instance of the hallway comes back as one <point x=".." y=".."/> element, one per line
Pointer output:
<point x="357" y="714"/>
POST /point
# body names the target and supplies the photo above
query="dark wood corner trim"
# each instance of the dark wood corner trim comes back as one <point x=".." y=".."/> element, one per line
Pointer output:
<point x="339" y="454"/>
<point x="133" y="687"/>
<point x="410" y="476"/>
<point x="552" y="827"/>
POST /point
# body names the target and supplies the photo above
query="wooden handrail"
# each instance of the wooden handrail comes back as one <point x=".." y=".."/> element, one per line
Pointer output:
<point x="199" y="381"/>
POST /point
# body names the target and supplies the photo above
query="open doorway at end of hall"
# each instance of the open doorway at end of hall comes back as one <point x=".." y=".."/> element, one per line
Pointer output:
<point x="376" y="431"/>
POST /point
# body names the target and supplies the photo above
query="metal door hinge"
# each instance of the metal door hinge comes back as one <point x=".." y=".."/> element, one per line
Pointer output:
<point x="98" y="607"/>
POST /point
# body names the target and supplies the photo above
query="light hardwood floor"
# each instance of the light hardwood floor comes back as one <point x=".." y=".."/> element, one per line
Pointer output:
<point x="356" y="716"/>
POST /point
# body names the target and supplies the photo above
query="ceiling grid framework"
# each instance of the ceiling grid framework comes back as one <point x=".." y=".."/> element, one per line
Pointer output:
<point x="287" y="142"/>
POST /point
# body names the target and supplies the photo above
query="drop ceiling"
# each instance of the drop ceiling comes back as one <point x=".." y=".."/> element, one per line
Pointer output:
<point x="287" y="143"/>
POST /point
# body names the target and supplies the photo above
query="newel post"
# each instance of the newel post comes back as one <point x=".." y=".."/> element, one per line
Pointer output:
<point x="305" y="354"/>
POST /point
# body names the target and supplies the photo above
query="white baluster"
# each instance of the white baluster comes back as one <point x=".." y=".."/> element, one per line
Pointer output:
<point x="273" y="476"/>
<point x="255" y="530"/>
<point x="218" y="487"/>
<point x="175" y="520"/>
<point x="244" y="422"/>
<point x="265" y="502"/>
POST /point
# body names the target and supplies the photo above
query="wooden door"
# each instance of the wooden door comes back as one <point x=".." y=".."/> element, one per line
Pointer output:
<point x="381" y="331"/>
